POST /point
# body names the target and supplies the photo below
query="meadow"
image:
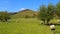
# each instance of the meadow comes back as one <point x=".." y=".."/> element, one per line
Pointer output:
<point x="26" y="26"/>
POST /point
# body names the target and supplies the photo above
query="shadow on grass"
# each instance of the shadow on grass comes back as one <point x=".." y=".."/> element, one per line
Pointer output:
<point x="53" y="24"/>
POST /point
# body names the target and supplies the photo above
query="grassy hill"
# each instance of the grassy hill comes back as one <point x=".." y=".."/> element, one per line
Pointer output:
<point x="17" y="25"/>
<point x="25" y="12"/>
<point x="25" y="26"/>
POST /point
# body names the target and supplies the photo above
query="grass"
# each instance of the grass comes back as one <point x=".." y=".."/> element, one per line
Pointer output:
<point x="25" y="26"/>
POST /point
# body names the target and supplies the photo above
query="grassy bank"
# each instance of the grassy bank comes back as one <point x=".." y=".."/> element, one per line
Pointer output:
<point x="25" y="26"/>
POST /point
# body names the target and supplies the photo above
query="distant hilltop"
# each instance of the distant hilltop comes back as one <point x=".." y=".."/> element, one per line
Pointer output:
<point x="26" y="12"/>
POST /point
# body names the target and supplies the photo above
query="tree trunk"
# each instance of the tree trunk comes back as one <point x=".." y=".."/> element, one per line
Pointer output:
<point x="45" y="21"/>
<point x="48" y="21"/>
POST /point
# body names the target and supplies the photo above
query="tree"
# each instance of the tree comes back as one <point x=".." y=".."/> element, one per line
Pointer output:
<point x="50" y="12"/>
<point x="58" y="9"/>
<point x="46" y="13"/>
<point x="4" y="16"/>
<point x="42" y="13"/>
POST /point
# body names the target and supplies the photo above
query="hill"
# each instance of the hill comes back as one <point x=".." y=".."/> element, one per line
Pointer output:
<point x="26" y="26"/>
<point x="26" y="12"/>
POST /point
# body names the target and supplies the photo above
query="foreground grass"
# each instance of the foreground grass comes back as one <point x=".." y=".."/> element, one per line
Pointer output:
<point x="25" y="26"/>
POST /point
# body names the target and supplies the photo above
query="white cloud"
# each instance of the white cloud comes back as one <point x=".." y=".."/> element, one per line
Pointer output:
<point x="22" y="9"/>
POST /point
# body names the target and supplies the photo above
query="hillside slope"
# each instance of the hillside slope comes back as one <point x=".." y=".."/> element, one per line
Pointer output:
<point x="23" y="26"/>
<point x="23" y="13"/>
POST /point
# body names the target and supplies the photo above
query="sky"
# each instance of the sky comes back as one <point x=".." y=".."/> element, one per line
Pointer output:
<point x="17" y="5"/>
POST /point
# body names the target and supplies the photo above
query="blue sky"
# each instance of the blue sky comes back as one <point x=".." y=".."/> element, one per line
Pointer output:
<point x="17" y="5"/>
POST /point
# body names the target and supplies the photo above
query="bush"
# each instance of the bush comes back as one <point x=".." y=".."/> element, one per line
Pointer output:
<point x="4" y="16"/>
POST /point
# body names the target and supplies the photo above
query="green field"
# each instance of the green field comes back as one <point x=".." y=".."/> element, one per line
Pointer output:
<point x="25" y="26"/>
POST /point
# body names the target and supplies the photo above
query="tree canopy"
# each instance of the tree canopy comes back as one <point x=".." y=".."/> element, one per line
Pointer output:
<point x="46" y="13"/>
<point x="4" y="16"/>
